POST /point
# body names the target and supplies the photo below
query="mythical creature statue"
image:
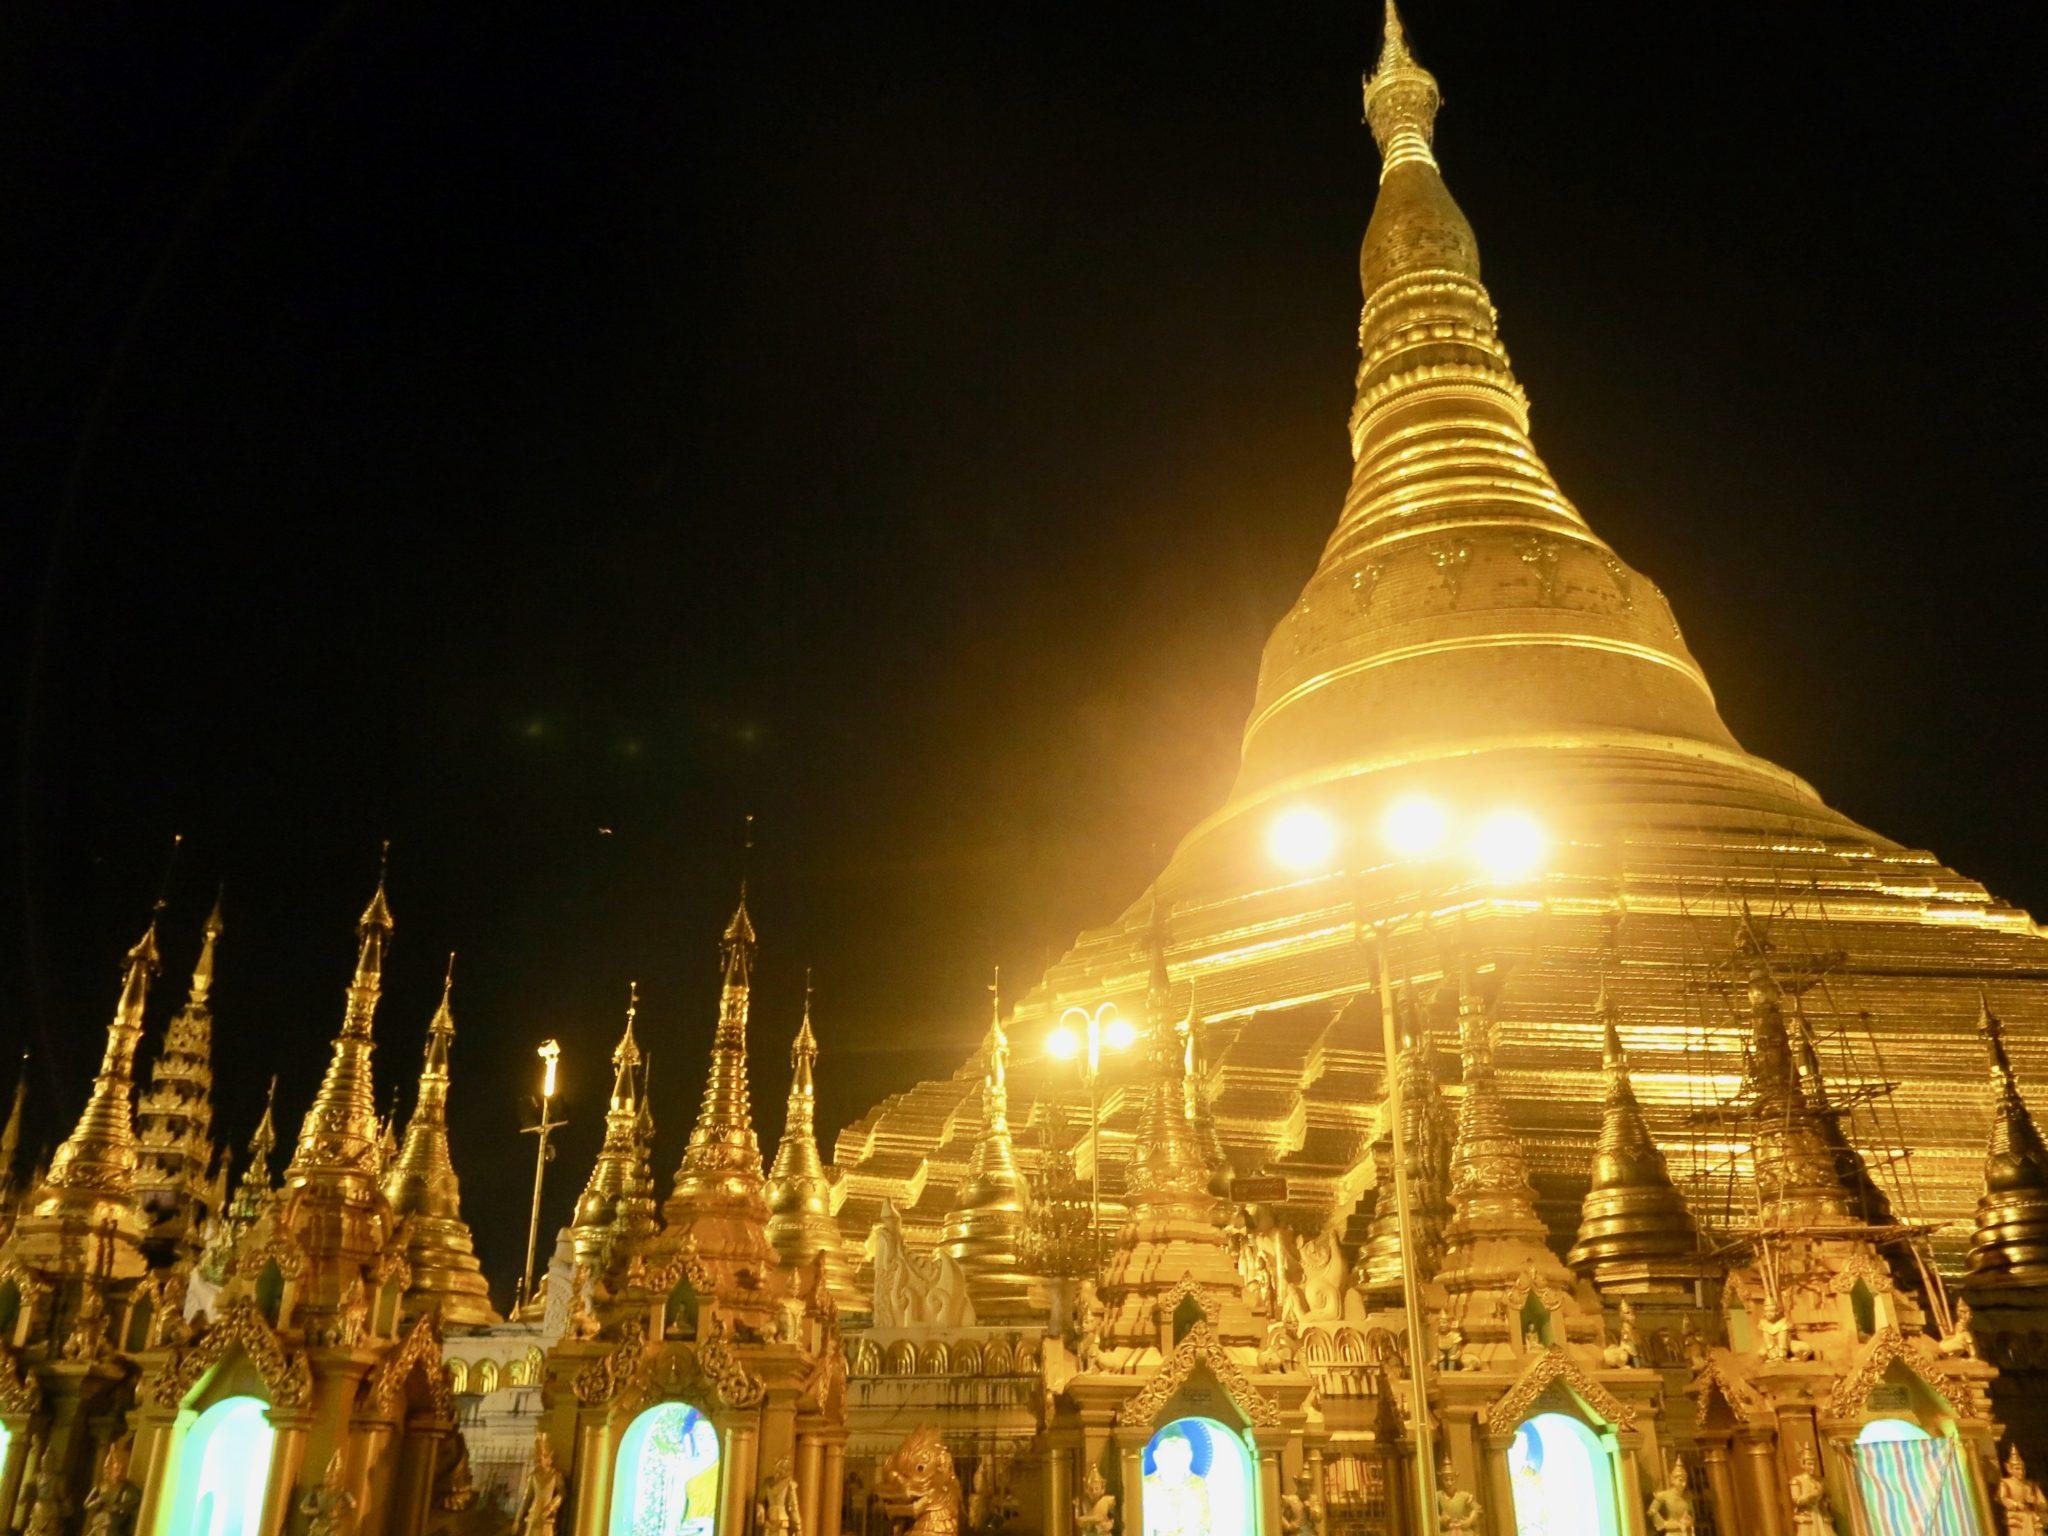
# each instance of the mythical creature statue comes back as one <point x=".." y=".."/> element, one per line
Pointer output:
<point x="110" y="1507"/>
<point x="1457" y="1512"/>
<point x="330" y="1509"/>
<point x="87" y="1339"/>
<point x="1095" y="1510"/>
<point x="778" y="1511"/>
<point x="1671" y="1506"/>
<point x="2026" y="1510"/>
<point x="1278" y="1350"/>
<point x="912" y="1290"/>
<point x="583" y="1323"/>
<point x="1301" y="1512"/>
<point x="1089" y="1318"/>
<point x="1959" y="1343"/>
<point x="1811" y="1514"/>
<point x="540" y="1499"/>
<point x="917" y="1483"/>
<point x="1626" y="1352"/>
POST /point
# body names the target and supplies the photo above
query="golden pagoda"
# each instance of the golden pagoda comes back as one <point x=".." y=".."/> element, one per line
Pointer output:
<point x="617" y="1204"/>
<point x="1466" y="636"/>
<point x="175" y="1178"/>
<point x="801" y="1225"/>
<point x="986" y="1225"/>
<point x="426" y="1195"/>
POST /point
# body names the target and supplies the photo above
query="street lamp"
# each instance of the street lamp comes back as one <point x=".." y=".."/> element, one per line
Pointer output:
<point x="550" y="1058"/>
<point x="1083" y="1032"/>
<point x="1504" y="844"/>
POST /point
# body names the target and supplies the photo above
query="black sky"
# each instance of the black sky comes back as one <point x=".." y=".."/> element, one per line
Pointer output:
<point x="479" y="429"/>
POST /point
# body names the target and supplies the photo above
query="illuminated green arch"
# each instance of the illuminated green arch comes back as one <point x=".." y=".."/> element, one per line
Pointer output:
<point x="666" y="1479"/>
<point x="223" y="1469"/>
<point x="1562" y="1472"/>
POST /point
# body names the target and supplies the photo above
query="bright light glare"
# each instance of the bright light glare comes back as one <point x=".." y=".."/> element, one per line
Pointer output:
<point x="1120" y="1034"/>
<point x="1302" y="838"/>
<point x="1063" y="1044"/>
<point x="1509" y="844"/>
<point x="1414" y="825"/>
<point x="550" y="1057"/>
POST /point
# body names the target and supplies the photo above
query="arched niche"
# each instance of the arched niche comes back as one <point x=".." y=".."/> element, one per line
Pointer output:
<point x="1562" y="1473"/>
<point x="222" y="1453"/>
<point x="665" y="1478"/>
<point x="1198" y="1474"/>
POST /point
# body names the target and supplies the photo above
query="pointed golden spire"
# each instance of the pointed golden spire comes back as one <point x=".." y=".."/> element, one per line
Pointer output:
<point x="1426" y="1128"/>
<point x="1401" y="101"/>
<point x="985" y="1225"/>
<point x="1494" y="1227"/>
<point x="617" y="1204"/>
<point x="801" y="1224"/>
<point x="1168" y="1178"/>
<point x="2010" y="1243"/>
<point x="719" y="1197"/>
<point x="1194" y="1031"/>
<point x="340" y="1139"/>
<point x="420" y="1183"/>
<point x="1634" y="1227"/>
<point x="90" y="1185"/>
<point x="251" y="1194"/>
<point x="1798" y="1174"/>
<point x="10" y="1145"/>
<point x="174" y="1122"/>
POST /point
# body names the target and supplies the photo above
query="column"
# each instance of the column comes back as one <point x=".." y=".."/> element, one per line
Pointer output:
<point x="149" y="1467"/>
<point x="287" y="1459"/>
<point x="832" y="1489"/>
<point x="1269" y="1487"/>
<point x="1628" y="1466"/>
<point x="741" y="1445"/>
<point x="590" y="1474"/>
<point x="1131" y="1457"/>
<point x="17" y="1453"/>
<point x="1491" y="1481"/>
<point x="1059" y="1491"/>
<point x="809" y="1466"/>
<point x="1765" y="1491"/>
<point x="1720" y="1485"/>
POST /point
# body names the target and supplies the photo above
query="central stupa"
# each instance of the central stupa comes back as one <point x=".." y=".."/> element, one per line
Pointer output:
<point x="1467" y="636"/>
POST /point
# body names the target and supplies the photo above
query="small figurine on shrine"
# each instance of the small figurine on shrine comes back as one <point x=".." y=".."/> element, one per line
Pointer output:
<point x="541" y="1498"/>
<point x="1095" y="1510"/>
<point x="1811" y="1513"/>
<point x="1457" y="1512"/>
<point x="2026" y="1509"/>
<point x="779" y="1511"/>
<point x="1301" y="1512"/>
<point x="1671" y="1506"/>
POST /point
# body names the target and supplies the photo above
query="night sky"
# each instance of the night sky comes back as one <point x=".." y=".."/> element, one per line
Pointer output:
<point x="904" y="424"/>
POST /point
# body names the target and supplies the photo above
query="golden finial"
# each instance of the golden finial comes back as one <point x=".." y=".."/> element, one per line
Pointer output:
<point x="1401" y="100"/>
<point x="1492" y="1199"/>
<point x="801" y="1226"/>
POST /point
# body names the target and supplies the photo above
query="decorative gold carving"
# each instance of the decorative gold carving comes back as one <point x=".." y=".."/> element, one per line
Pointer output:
<point x="609" y="1375"/>
<point x="421" y="1346"/>
<point x="737" y="1386"/>
<point x="286" y="1377"/>
<point x="1553" y="1365"/>
<point x="1208" y="1297"/>
<point x="1716" y="1373"/>
<point x="1861" y="1265"/>
<point x="1887" y="1347"/>
<point x="1199" y="1347"/>
<point x="20" y="1392"/>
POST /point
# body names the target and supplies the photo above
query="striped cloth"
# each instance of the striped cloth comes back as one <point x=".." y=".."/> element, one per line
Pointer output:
<point x="1914" y="1488"/>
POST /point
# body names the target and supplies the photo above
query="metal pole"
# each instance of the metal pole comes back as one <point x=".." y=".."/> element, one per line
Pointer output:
<point x="1411" y="1301"/>
<point x="550" y="1053"/>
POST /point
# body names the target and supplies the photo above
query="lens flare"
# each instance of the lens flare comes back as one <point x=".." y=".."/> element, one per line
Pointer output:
<point x="1063" y="1044"/>
<point x="1302" y="838"/>
<point x="1415" y="825"/>
<point x="1510" y="845"/>
<point x="1120" y="1034"/>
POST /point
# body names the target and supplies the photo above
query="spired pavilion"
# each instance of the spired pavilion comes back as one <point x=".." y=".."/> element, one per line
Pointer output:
<point x="1555" y="1184"/>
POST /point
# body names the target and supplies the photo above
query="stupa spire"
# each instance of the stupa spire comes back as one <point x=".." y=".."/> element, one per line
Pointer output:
<point x="1194" y="1032"/>
<point x="174" y="1134"/>
<point x="420" y="1183"/>
<point x="1799" y="1174"/>
<point x="985" y="1226"/>
<point x="2010" y="1243"/>
<point x="719" y="1198"/>
<point x="801" y="1225"/>
<point x="617" y="1203"/>
<point x="90" y="1184"/>
<point x="1494" y="1227"/>
<point x="1169" y="1176"/>
<point x="340" y="1138"/>
<point x="1426" y="1131"/>
<point x="10" y="1145"/>
<point x="1634" y="1227"/>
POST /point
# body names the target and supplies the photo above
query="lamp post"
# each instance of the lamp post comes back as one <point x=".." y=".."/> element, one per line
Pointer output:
<point x="1504" y="845"/>
<point x="550" y="1058"/>
<point x="1083" y="1032"/>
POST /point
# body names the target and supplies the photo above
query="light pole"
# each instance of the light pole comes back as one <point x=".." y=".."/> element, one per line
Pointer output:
<point x="1505" y="844"/>
<point x="1083" y="1032"/>
<point x="550" y="1057"/>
